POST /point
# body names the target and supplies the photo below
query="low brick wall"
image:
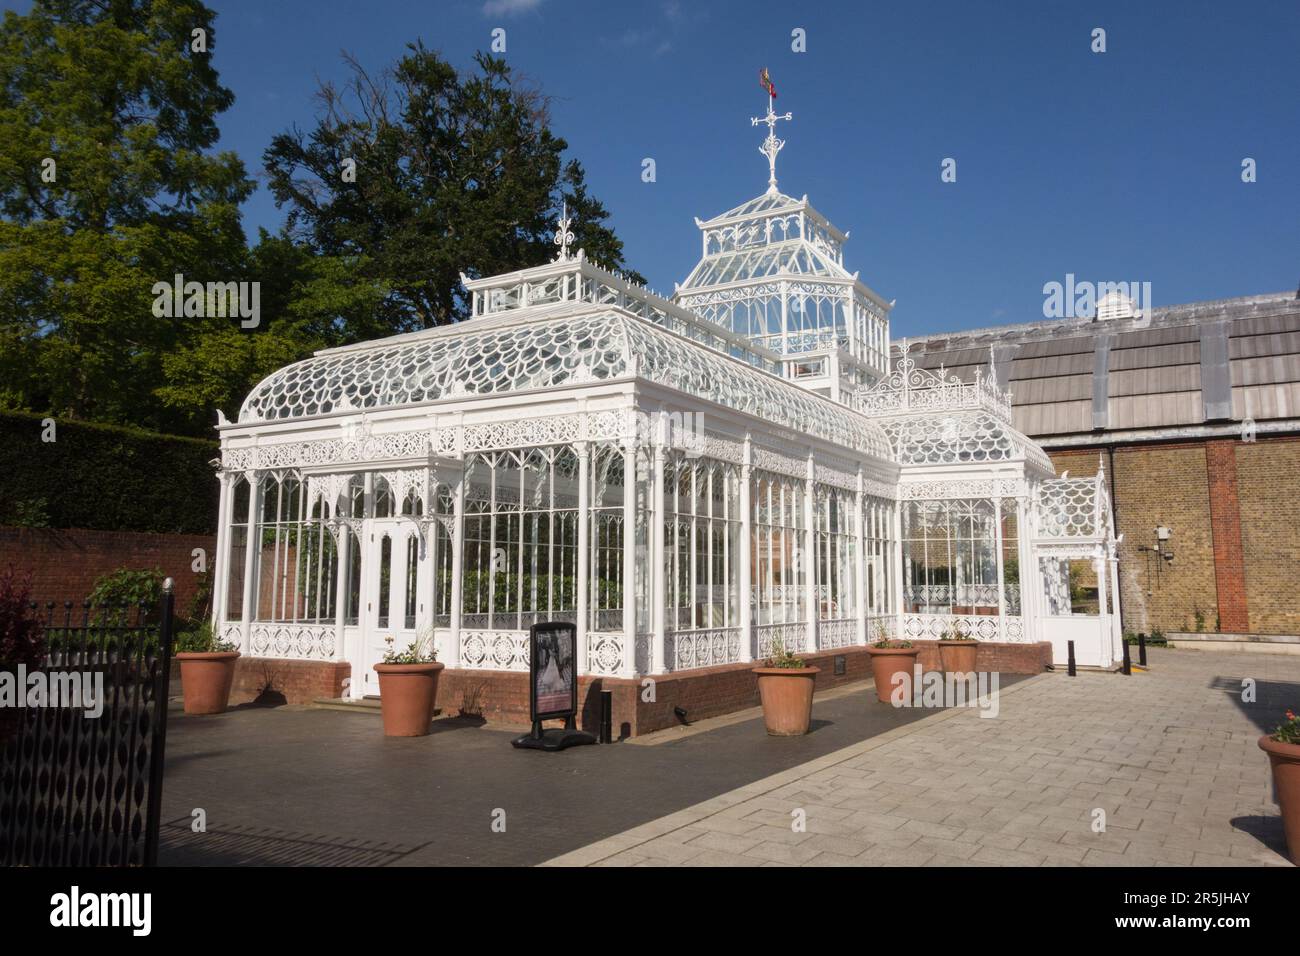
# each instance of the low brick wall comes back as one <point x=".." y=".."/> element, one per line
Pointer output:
<point x="299" y="682"/>
<point x="66" y="562"/>
<point x="501" y="697"/>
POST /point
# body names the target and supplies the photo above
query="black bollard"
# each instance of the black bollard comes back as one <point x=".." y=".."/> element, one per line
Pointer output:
<point x="1128" y="664"/>
<point x="1142" y="649"/>
<point x="606" y="716"/>
<point x="1070" y="670"/>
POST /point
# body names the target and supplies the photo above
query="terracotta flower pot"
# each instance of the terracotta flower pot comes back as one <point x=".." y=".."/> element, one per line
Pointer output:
<point x="406" y="696"/>
<point x="888" y="661"/>
<point x="958" y="656"/>
<point x="787" y="696"/>
<point x="1285" y="759"/>
<point x="206" y="679"/>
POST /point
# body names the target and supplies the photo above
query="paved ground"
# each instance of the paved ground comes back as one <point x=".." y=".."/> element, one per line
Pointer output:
<point x="301" y="786"/>
<point x="1170" y="756"/>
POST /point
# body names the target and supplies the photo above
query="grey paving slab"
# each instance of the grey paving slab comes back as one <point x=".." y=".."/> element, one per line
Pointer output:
<point x="318" y="787"/>
<point x="1166" y="759"/>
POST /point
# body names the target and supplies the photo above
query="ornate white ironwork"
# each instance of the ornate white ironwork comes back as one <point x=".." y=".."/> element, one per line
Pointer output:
<point x="941" y="489"/>
<point x="910" y="389"/>
<point x="605" y="652"/>
<point x="313" y="642"/>
<point x="832" y="635"/>
<point x="703" y="647"/>
<point x="983" y="627"/>
<point x="792" y="637"/>
<point x="562" y="234"/>
<point x="1072" y="508"/>
<point x="494" y="650"/>
<point x="771" y="145"/>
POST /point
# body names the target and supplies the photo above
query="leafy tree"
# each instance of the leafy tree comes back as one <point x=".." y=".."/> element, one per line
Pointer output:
<point x="106" y="187"/>
<point x="423" y="171"/>
<point x="308" y="302"/>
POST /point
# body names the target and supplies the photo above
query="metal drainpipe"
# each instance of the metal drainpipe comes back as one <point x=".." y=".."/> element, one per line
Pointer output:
<point x="1114" y="507"/>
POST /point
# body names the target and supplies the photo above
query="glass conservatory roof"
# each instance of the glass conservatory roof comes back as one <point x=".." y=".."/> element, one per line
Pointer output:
<point x="956" y="437"/>
<point x="764" y="203"/>
<point x="492" y="358"/>
<point x="792" y="257"/>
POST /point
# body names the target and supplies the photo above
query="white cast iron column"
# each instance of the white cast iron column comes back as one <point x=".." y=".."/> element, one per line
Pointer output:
<point x="457" y="566"/>
<point x="629" y="556"/>
<point x="746" y="557"/>
<point x="584" y="547"/>
<point x="250" y="559"/>
<point x="810" y="554"/>
<point x="658" y="660"/>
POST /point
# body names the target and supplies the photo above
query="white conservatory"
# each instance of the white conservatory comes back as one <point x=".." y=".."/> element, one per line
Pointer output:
<point x="685" y="479"/>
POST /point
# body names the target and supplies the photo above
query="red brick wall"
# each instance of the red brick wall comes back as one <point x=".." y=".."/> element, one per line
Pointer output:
<point x="1225" y="525"/>
<point x="65" y="563"/>
<point x="301" y="682"/>
<point x="502" y="697"/>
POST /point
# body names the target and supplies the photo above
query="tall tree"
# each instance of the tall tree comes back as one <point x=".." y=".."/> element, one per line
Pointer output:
<point x="107" y="114"/>
<point x="422" y="172"/>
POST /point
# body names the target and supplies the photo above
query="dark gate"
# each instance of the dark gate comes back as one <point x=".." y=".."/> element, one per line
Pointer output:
<point x="87" y="791"/>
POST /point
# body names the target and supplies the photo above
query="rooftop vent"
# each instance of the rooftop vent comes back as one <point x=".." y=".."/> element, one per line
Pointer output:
<point x="1115" y="305"/>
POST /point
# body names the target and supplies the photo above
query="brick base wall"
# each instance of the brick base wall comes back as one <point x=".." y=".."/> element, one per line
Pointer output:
<point x="502" y="697"/>
<point x="66" y="562"/>
<point x="300" y="682"/>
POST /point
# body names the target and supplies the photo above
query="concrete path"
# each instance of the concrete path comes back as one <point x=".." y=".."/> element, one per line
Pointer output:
<point x="1166" y="759"/>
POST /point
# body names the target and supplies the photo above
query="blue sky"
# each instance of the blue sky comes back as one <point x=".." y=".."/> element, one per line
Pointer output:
<point x="1122" y="166"/>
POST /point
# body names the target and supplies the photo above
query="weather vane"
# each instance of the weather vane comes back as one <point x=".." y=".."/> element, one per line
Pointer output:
<point x="771" y="146"/>
<point x="562" y="234"/>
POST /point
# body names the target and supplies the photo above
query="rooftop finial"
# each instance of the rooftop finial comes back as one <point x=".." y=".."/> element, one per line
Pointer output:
<point x="562" y="234"/>
<point x="771" y="146"/>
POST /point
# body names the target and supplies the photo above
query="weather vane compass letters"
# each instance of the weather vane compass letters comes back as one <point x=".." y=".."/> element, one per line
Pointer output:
<point x="771" y="146"/>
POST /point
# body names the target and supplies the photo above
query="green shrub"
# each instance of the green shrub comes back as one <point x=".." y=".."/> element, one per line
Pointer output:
<point x="116" y="596"/>
<point x="104" y="477"/>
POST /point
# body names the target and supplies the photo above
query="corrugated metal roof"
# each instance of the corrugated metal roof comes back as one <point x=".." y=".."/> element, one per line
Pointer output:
<point x="1151" y="376"/>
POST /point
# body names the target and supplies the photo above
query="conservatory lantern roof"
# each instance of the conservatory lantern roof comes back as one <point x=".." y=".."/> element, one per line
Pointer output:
<point x="554" y="343"/>
<point x="792" y="257"/>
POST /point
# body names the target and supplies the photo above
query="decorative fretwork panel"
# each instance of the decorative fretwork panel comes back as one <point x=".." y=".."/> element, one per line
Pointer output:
<point x="704" y="647"/>
<point x="836" y="634"/>
<point x="793" y="637"/>
<point x="315" y="642"/>
<point x="605" y="653"/>
<point x="494" y="650"/>
<point x="1071" y="508"/>
<point x="933" y="627"/>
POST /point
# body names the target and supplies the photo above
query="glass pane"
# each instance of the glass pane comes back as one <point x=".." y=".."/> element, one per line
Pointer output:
<point x="385" y="578"/>
<point x="412" y="571"/>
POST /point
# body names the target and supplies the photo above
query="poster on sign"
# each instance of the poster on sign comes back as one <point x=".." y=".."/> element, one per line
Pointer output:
<point x="553" y="671"/>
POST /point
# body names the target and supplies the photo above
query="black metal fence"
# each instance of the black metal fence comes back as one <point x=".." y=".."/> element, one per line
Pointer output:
<point x="81" y="771"/>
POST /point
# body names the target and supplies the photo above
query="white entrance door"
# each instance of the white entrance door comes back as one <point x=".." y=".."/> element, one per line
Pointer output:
<point x="393" y="580"/>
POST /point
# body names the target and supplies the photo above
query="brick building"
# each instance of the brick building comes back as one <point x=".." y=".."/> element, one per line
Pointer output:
<point x="1195" y="411"/>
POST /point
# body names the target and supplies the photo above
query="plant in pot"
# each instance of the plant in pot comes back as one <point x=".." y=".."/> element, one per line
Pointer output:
<point x="957" y="651"/>
<point x="408" y="687"/>
<point x="22" y="639"/>
<point x="207" y="669"/>
<point x="785" y="686"/>
<point x="888" y="658"/>
<point x="1283" y="749"/>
